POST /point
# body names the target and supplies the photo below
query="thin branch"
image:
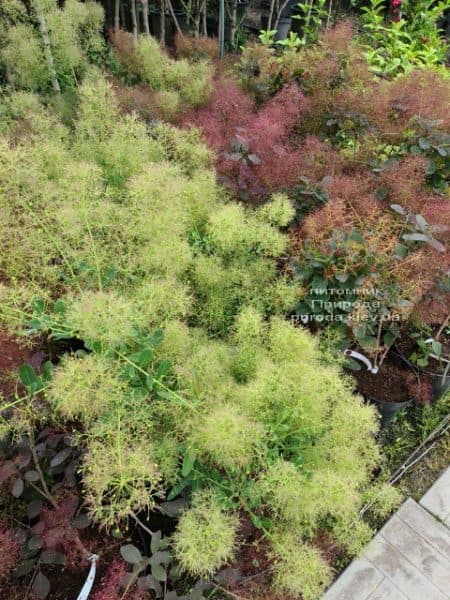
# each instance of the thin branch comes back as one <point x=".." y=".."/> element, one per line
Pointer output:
<point x="40" y="473"/>
<point x="140" y="523"/>
<point x="283" y="6"/>
<point x="46" y="493"/>
<point x="225" y="591"/>
<point x="442" y="327"/>
<point x="269" y="21"/>
<point x="174" y="17"/>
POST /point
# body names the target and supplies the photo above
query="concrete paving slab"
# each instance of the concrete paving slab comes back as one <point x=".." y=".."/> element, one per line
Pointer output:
<point x="426" y="525"/>
<point x="357" y="582"/>
<point x="386" y="591"/>
<point x="437" y="499"/>
<point x="416" y="549"/>
<point x="400" y="570"/>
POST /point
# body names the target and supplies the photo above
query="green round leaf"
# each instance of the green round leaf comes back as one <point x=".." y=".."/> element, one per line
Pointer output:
<point x="41" y="586"/>
<point x="131" y="554"/>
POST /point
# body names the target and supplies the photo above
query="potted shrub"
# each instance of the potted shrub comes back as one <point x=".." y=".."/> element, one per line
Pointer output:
<point x="430" y="356"/>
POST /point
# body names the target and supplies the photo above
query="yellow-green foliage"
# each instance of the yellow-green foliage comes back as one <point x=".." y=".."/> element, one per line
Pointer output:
<point x="191" y="81"/>
<point x="119" y="476"/>
<point x="104" y="317"/>
<point x="120" y="145"/>
<point x="298" y="568"/>
<point x="133" y="231"/>
<point x="248" y="333"/>
<point x="107" y="200"/>
<point x="279" y="211"/>
<point x="205" y="538"/>
<point x="185" y="147"/>
<point x="353" y="534"/>
<point x="383" y="499"/>
<point x="74" y="33"/>
<point x="23" y="58"/>
<point x="85" y="387"/>
<point x="227" y="438"/>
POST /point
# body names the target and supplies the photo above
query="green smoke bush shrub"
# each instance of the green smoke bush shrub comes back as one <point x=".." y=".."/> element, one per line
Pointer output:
<point x="190" y="381"/>
<point x="285" y="441"/>
<point x="74" y="33"/>
<point x="190" y="82"/>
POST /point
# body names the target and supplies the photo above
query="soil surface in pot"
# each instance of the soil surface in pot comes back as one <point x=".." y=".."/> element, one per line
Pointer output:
<point x="406" y="346"/>
<point x="390" y="384"/>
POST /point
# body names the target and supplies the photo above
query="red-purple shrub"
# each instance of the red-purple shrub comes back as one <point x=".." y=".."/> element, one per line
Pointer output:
<point x="228" y="108"/>
<point x="57" y="531"/>
<point x="196" y="48"/>
<point x="319" y="159"/>
<point x="406" y="182"/>
<point x="433" y="306"/>
<point x="111" y="585"/>
<point x="422" y="93"/>
<point x="9" y="551"/>
<point x="419" y="390"/>
<point x="124" y="46"/>
<point x="339" y="37"/>
<point x="406" y="185"/>
<point x="255" y="152"/>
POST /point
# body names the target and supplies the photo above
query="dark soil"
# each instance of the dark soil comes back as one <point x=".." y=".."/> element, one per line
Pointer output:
<point x="405" y="346"/>
<point x="13" y="354"/>
<point x="390" y="384"/>
<point x="398" y="380"/>
<point x="331" y="551"/>
<point x="66" y="583"/>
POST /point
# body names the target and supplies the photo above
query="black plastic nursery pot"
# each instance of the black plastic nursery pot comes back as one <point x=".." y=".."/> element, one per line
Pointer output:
<point x="388" y="410"/>
<point x="283" y="28"/>
<point x="440" y="384"/>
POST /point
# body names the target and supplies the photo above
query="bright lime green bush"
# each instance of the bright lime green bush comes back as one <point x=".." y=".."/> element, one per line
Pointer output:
<point x="119" y="476"/>
<point x="192" y="81"/>
<point x="299" y="569"/>
<point x="74" y="33"/>
<point x="193" y="379"/>
<point x="279" y="212"/>
<point x="23" y="58"/>
<point x="227" y="438"/>
<point x="185" y="147"/>
<point x="86" y="387"/>
<point x="206" y="536"/>
<point x="104" y="317"/>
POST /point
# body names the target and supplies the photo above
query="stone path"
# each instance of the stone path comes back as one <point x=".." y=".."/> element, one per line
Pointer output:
<point x="409" y="558"/>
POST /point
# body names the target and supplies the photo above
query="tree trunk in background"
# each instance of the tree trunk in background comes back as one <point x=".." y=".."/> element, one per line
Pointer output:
<point x="162" y="36"/>
<point x="117" y="15"/>
<point x="47" y="47"/>
<point x="145" y="16"/>
<point x="205" y="15"/>
<point x="233" y="24"/>
<point x="134" y="19"/>
<point x="123" y="18"/>
<point x="174" y="17"/>
<point x="197" y="23"/>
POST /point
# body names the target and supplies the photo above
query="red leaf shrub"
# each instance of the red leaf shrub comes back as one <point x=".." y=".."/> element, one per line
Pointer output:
<point x="406" y="182"/>
<point x="255" y="152"/>
<point x="9" y="551"/>
<point x="57" y="531"/>
<point x="419" y="93"/>
<point x="420" y="391"/>
<point x="228" y="108"/>
<point x="110" y="587"/>
<point x="196" y="48"/>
